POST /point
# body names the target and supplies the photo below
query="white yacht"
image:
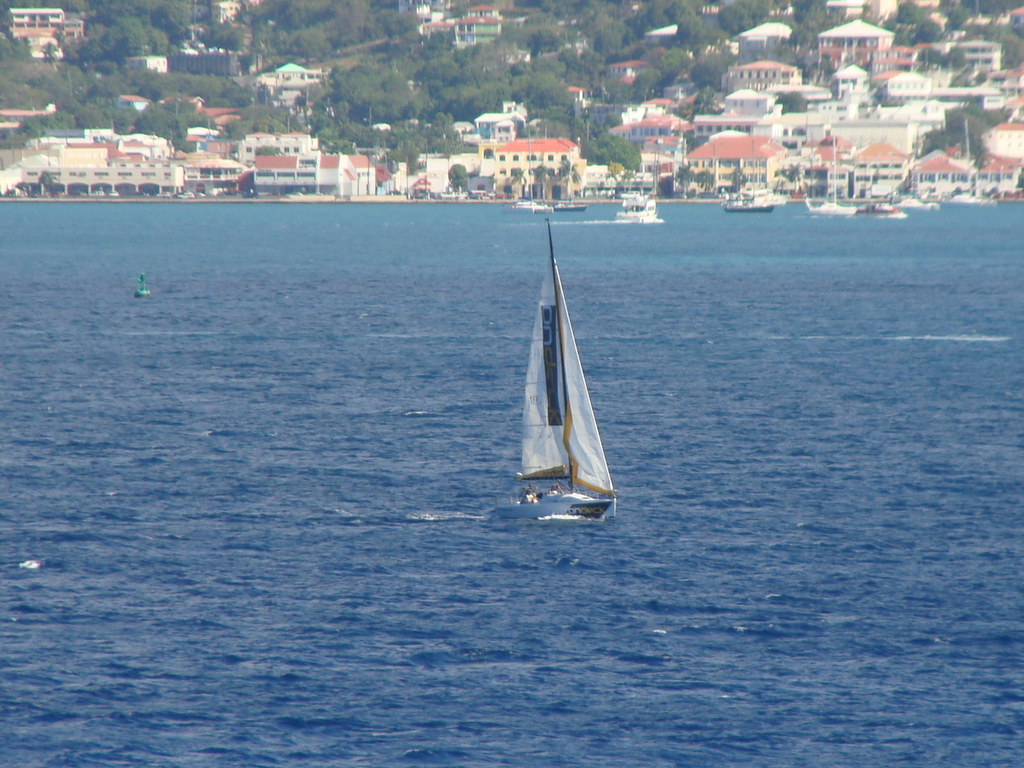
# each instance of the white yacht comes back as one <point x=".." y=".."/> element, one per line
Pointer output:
<point x="638" y="209"/>
<point x="528" y="206"/>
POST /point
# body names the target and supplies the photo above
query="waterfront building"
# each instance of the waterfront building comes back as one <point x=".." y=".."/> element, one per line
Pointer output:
<point x="879" y="170"/>
<point x="737" y="161"/>
<point x="939" y="175"/>
<point x="1000" y="176"/>
<point x="540" y="168"/>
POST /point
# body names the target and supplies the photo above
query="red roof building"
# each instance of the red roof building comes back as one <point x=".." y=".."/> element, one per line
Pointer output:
<point x="738" y="161"/>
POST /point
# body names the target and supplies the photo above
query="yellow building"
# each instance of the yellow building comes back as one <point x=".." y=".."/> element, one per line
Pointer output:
<point x="540" y="168"/>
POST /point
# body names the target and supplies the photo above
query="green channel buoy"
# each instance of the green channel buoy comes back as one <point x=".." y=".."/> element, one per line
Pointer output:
<point x="141" y="292"/>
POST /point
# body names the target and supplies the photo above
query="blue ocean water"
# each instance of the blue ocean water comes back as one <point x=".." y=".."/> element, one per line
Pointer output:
<point x="259" y="498"/>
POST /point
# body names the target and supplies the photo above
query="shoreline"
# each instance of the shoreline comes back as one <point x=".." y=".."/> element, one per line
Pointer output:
<point x="312" y="200"/>
<point x="374" y="199"/>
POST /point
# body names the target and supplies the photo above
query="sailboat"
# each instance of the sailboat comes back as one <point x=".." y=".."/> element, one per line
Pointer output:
<point x="832" y="207"/>
<point x="564" y="471"/>
<point x="972" y="197"/>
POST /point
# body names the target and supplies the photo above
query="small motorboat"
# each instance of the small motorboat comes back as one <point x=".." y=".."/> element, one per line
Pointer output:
<point x="755" y="201"/>
<point x="881" y="211"/>
<point x="638" y="209"/>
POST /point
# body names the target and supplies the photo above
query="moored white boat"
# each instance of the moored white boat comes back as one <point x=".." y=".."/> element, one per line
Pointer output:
<point x="917" y="204"/>
<point x="830" y="208"/>
<point x="529" y="206"/>
<point x="969" y="198"/>
<point x="638" y="209"/>
<point x="563" y="462"/>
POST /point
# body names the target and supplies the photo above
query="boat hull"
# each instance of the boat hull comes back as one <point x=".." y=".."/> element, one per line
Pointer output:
<point x="831" y="209"/>
<point x="569" y="506"/>
<point x="740" y="208"/>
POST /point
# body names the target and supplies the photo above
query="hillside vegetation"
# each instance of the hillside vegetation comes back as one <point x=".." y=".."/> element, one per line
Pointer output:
<point x="384" y="71"/>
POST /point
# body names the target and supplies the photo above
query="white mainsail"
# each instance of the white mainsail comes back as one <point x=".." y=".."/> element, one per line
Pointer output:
<point x="560" y="436"/>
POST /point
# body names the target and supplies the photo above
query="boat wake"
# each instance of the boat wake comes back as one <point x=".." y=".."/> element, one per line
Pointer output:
<point x="989" y="339"/>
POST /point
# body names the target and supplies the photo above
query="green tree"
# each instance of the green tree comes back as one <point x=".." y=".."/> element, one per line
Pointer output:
<point x="609" y="149"/>
<point x="170" y="121"/>
<point x="47" y="182"/>
<point x="458" y="177"/>
<point x="540" y="175"/>
<point x="977" y="122"/>
<point x="743" y="15"/>
<point x="708" y="71"/>
<point x="684" y="175"/>
<point x="791" y="102"/>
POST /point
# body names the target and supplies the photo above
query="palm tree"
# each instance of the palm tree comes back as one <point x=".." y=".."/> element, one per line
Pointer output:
<point x="705" y="179"/>
<point x="739" y="179"/>
<point x="517" y="180"/>
<point x="628" y="176"/>
<point x="791" y="173"/>
<point x="540" y="174"/>
<point x="565" y="174"/>
<point x="46" y="182"/>
<point x="683" y="177"/>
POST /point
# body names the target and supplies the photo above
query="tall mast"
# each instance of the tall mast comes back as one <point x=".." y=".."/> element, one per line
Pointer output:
<point x="567" y="410"/>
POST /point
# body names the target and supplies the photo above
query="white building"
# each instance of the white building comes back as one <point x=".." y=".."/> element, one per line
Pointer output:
<point x="794" y="129"/>
<point x="905" y="86"/>
<point x="980" y="55"/>
<point x="1006" y="140"/>
<point x="287" y="84"/>
<point x="81" y="176"/>
<point x="760" y="76"/>
<point x="747" y="102"/>
<point x="152" y="63"/>
<point x="939" y="175"/>
<point x="982" y="96"/>
<point x="762" y="40"/>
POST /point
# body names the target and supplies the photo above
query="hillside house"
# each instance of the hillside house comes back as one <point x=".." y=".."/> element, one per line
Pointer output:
<point x="762" y="40"/>
<point x="1006" y="140"/>
<point x="760" y="76"/>
<point x="857" y="43"/>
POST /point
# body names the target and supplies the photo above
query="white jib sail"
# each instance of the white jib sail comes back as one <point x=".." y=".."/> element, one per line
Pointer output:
<point x="560" y="435"/>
